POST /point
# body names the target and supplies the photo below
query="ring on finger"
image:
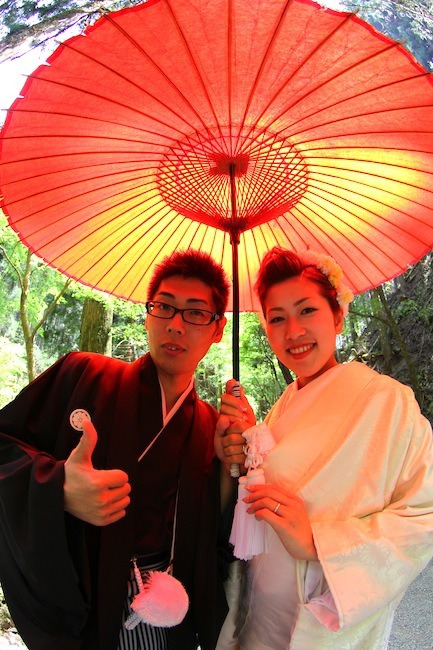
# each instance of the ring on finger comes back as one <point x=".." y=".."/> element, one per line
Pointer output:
<point x="277" y="507"/>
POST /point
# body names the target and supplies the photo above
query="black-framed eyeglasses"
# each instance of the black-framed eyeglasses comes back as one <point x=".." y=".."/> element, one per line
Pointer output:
<point x="193" y="316"/>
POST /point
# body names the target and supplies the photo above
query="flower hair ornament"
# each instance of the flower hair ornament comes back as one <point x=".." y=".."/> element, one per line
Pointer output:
<point x="329" y="267"/>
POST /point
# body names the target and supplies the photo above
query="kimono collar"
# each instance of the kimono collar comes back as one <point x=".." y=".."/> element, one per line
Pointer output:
<point x="166" y="417"/>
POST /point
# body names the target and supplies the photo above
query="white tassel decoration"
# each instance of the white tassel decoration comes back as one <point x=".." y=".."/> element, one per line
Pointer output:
<point x="248" y="535"/>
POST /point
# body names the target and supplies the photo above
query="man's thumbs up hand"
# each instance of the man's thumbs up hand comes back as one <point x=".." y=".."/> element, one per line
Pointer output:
<point x="82" y="454"/>
<point x="98" y="497"/>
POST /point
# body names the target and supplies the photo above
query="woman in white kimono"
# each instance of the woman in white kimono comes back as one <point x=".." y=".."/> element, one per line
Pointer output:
<point x="349" y="484"/>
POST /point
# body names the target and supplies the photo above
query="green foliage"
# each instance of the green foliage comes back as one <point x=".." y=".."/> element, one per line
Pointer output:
<point x="260" y="374"/>
<point x="9" y="286"/>
<point x="13" y="375"/>
<point x="406" y="353"/>
<point x="129" y="334"/>
<point x="216" y="368"/>
<point x="261" y="378"/>
<point x="44" y="284"/>
<point x="406" y="21"/>
<point x="412" y="309"/>
<point x="61" y="331"/>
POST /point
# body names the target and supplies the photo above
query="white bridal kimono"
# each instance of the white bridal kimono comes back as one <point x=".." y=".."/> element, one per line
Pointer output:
<point x="354" y="446"/>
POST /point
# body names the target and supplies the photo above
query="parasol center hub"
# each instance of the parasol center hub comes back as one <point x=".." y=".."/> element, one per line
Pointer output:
<point x="229" y="165"/>
<point x="232" y="183"/>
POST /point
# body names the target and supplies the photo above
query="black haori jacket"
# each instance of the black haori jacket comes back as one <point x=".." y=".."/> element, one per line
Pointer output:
<point x="64" y="580"/>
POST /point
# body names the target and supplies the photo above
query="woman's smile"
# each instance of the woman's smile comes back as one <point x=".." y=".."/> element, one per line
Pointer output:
<point x="299" y="350"/>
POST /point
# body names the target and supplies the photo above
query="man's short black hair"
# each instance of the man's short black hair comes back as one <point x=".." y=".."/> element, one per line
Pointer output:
<point x="193" y="264"/>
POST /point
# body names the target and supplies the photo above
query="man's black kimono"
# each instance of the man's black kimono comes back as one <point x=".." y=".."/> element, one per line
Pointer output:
<point x="64" y="580"/>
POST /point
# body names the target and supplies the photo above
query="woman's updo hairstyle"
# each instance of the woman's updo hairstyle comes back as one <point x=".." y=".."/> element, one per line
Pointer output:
<point x="280" y="264"/>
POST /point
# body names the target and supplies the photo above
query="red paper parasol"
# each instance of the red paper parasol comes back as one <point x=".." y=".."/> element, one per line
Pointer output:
<point x="183" y="123"/>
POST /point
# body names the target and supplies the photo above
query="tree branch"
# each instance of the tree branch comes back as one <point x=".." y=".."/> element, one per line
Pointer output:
<point x="50" y="27"/>
<point x="13" y="266"/>
<point x="53" y="303"/>
<point x="370" y="316"/>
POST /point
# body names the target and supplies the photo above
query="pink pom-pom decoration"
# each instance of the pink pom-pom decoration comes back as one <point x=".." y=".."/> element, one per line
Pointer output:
<point x="163" y="602"/>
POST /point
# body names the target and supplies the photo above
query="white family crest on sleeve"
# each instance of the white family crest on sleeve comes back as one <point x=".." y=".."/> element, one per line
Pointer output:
<point x="77" y="418"/>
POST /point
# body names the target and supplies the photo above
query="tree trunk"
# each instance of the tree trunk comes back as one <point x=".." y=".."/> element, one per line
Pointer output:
<point x="286" y="373"/>
<point x="96" y="323"/>
<point x="27" y="330"/>
<point x="413" y="375"/>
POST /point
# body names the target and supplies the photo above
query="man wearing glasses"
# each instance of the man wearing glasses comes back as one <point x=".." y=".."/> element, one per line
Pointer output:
<point x="103" y="462"/>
